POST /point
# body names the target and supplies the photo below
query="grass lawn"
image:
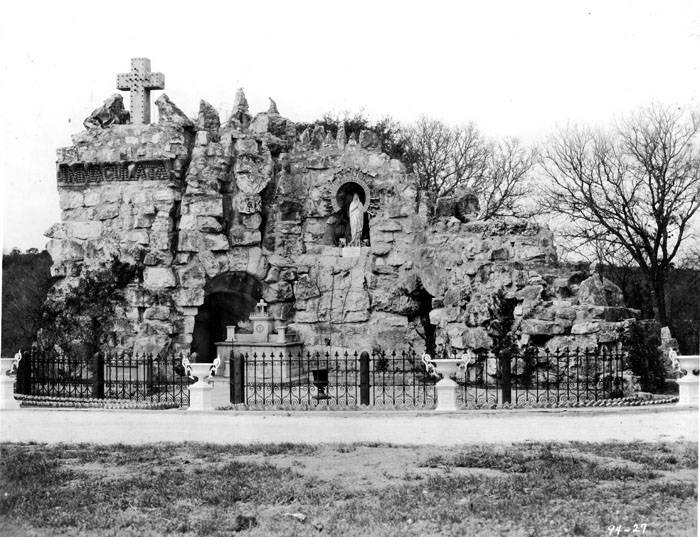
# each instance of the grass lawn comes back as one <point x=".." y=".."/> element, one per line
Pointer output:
<point x="531" y="489"/>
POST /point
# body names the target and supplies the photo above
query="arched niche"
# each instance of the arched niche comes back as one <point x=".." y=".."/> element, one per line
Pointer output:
<point x="342" y="192"/>
<point x="229" y="299"/>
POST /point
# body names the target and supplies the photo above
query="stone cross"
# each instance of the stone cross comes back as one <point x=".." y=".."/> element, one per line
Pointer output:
<point x="140" y="81"/>
<point x="261" y="306"/>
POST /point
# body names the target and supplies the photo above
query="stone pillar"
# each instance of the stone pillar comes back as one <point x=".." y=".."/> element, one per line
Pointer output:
<point x="237" y="368"/>
<point x="200" y="396"/>
<point x="230" y="333"/>
<point x="446" y="395"/>
<point x="688" y="384"/>
<point x="7" y="386"/>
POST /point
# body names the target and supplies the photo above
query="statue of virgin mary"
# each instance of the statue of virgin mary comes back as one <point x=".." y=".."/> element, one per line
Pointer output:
<point x="356" y="214"/>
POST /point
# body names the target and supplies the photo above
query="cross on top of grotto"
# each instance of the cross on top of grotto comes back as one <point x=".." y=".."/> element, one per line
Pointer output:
<point x="139" y="82"/>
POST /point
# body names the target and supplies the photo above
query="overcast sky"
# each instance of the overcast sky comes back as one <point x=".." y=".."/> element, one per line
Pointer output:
<point x="516" y="68"/>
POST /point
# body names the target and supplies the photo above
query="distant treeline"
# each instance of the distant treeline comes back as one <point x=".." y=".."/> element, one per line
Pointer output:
<point x="25" y="281"/>
<point x="682" y="300"/>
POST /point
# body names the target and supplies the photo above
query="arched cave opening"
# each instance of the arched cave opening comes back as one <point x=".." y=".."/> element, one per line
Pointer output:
<point x="228" y="301"/>
<point x="425" y="304"/>
<point x="338" y="226"/>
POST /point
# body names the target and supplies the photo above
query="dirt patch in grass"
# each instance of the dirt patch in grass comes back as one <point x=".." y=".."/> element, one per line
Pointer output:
<point x="351" y="489"/>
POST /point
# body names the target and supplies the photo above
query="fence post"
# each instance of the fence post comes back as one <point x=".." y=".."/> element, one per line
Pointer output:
<point x="505" y="378"/>
<point x="23" y="373"/>
<point x="149" y="374"/>
<point x="237" y="378"/>
<point x="364" y="378"/>
<point x="98" y="376"/>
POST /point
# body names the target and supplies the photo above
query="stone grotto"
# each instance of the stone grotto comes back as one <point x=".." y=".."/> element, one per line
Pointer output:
<point x="219" y="214"/>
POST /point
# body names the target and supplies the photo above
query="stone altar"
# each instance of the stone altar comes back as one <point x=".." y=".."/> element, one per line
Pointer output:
<point x="283" y="345"/>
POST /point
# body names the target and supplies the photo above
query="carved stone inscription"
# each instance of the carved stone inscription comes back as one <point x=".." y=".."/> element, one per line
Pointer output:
<point x="149" y="170"/>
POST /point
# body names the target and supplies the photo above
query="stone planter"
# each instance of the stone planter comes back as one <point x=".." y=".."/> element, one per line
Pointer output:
<point x="201" y="391"/>
<point x="320" y="377"/>
<point x="688" y="384"/>
<point x="7" y="386"/>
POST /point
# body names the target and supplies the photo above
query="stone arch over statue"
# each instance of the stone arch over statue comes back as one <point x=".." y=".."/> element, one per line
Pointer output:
<point x="229" y="298"/>
<point x="345" y="191"/>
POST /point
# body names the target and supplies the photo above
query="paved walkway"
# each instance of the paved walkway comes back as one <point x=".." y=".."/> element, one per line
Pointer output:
<point x="424" y="428"/>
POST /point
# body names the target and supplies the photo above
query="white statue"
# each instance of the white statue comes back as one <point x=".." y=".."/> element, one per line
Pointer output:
<point x="15" y="364"/>
<point x="356" y="213"/>
<point x="675" y="362"/>
<point x="215" y="365"/>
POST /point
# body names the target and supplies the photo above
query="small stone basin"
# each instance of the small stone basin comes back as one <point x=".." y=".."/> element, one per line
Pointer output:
<point x="689" y="363"/>
<point x="447" y="366"/>
<point x="688" y="383"/>
<point x="201" y="371"/>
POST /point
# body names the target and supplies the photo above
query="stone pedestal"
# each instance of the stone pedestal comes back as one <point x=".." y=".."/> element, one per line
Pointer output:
<point x="688" y="384"/>
<point x="201" y="391"/>
<point x="446" y="388"/>
<point x="7" y="386"/>
<point x="446" y="395"/>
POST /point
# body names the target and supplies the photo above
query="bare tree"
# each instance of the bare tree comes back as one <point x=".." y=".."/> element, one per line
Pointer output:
<point x="449" y="160"/>
<point x="633" y="189"/>
<point x="502" y="187"/>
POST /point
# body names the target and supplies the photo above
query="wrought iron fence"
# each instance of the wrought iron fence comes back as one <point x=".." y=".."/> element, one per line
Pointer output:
<point x="537" y="377"/>
<point x="331" y="379"/>
<point x="532" y="378"/>
<point x="137" y="377"/>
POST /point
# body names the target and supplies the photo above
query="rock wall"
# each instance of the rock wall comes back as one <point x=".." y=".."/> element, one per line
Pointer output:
<point x="192" y="200"/>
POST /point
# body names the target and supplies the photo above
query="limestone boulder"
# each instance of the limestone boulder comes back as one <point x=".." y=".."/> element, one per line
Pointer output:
<point x="208" y="118"/>
<point x="589" y="327"/>
<point x="65" y="250"/>
<point x="258" y="263"/>
<point x="169" y="113"/>
<point x="157" y="312"/>
<point x="599" y="291"/>
<point x="111" y="112"/>
<point x="478" y="311"/>
<point x="158" y="277"/>
<point x="85" y="230"/>
<point x="70" y="199"/>
<point x="538" y="327"/>
<point x="216" y="242"/>
<point x="271" y="123"/>
<point x="192" y="276"/>
<point x="530" y="293"/>
<point x="57" y="231"/>
<point x="393" y="301"/>
<point x="306" y="288"/>
<point x="254" y="181"/>
<point x="278" y="292"/>
<point x="443" y="316"/>
<point x="464" y="337"/>
<point x="241" y="236"/>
